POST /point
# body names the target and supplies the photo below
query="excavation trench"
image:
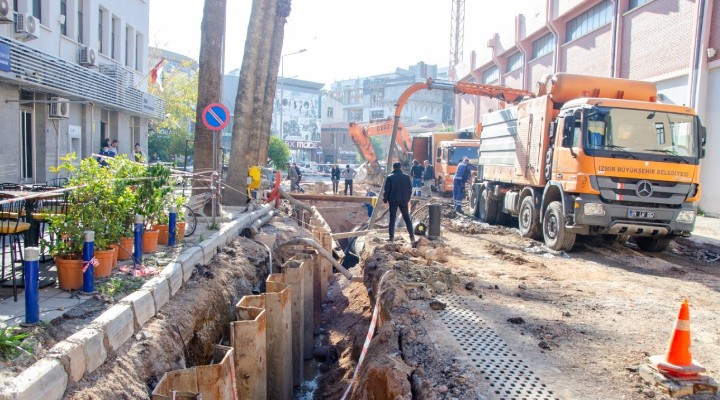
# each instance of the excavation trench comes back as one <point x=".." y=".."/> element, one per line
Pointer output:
<point x="188" y="328"/>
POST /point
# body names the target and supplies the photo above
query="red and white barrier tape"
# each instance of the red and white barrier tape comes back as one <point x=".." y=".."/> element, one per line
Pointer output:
<point x="94" y="263"/>
<point x="368" y="339"/>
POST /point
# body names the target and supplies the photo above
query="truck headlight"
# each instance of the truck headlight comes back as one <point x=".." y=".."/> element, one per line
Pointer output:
<point x="593" y="209"/>
<point x="686" y="216"/>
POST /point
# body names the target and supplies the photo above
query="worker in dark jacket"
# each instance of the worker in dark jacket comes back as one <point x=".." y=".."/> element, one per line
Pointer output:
<point x="398" y="190"/>
<point x="428" y="178"/>
<point x="416" y="173"/>
<point x="461" y="176"/>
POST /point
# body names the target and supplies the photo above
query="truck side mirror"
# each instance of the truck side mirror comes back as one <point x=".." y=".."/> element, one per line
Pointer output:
<point x="703" y="135"/>
<point x="568" y="131"/>
<point x="702" y="152"/>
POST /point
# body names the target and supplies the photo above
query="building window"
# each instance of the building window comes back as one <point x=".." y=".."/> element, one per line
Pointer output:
<point x="544" y="45"/>
<point x="129" y="50"/>
<point x="80" y="22"/>
<point x="37" y="9"/>
<point x="63" y="17"/>
<point x="515" y="61"/>
<point x="377" y="114"/>
<point x="637" y="3"/>
<point x="330" y="112"/>
<point x="490" y="75"/>
<point x="100" y="47"/>
<point x="113" y="28"/>
<point x="588" y="21"/>
<point x="139" y="39"/>
<point x="353" y="96"/>
<point x="376" y="98"/>
<point x="355" y="115"/>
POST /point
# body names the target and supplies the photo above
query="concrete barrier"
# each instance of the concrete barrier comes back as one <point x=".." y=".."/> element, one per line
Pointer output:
<point x="248" y="337"/>
<point x="278" y="311"/>
<point x="211" y="382"/>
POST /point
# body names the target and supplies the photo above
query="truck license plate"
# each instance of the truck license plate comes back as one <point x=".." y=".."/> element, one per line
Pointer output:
<point x="641" y="214"/>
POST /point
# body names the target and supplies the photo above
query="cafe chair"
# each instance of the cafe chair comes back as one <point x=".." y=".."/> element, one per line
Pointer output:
<point x="45" y="210"/>
<point x="11" y="231"/>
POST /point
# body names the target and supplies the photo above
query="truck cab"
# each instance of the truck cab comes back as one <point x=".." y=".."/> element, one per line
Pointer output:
<point x="449" y="155"/>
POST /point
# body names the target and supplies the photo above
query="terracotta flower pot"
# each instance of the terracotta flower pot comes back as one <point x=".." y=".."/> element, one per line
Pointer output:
<point x="150" y="241"/>
<point x="126" y="248"/>
<point x="105" y="260"/>
<point x="180" y="231"/>
<point x="69" y="272"/>
<point x="163" y="234"/>
<point x="116" y="249"/>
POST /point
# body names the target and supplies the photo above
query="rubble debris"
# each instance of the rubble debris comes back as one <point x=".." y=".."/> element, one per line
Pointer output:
<point x="437" y="305"/>
<point x="544" y="345"/>
<point x="516" y="320"/>
<point x="470" y="286"/>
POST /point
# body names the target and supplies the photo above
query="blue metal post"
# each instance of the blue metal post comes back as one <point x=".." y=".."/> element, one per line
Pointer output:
<point x="137" y="255"/>
<point x="173" y="226"/>
<point x="88" y="254"/>
<point x="32" y="285"/>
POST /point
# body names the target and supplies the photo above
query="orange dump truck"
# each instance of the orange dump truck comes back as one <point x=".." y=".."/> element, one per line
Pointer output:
<point x="445" y="150"/>
<point x="591" y="156"/>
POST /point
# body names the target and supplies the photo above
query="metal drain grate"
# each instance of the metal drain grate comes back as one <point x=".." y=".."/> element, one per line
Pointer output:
<point x="504" y="371"/>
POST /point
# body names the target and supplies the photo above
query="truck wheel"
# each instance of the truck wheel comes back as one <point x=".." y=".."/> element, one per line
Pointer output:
<point x="487" y="208"/>
<point x="554" y="232"/>
<point x="473" y="203"/>
<point x="653" y="244"/>
<point x="528" y="221"/>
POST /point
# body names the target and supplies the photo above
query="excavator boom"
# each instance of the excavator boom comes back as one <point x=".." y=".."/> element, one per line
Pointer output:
<point x="360" y="133"/>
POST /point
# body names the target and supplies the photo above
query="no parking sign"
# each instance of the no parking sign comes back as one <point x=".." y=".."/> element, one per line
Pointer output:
<point x="216" y="117"/>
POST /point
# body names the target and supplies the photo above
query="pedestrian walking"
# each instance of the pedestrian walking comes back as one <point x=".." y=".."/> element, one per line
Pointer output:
<point x="416" y="172"/>
<point x="398" y="190"/>
<point x="428" y="178"/>
<point x="335" y="177"/>
<point x="292" y="176"/>
<point x="348" y="174"/>
<point x="461" y="176"/>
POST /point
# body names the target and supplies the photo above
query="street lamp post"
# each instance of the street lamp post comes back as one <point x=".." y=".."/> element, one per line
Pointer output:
<point x="282" y="88"/>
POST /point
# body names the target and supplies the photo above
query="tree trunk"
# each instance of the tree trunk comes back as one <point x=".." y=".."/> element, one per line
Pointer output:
<point x="240" y="159"/>
<point x="209" y="82"/>
<point x="278" y="37"/>
<point x="259" y="111"/>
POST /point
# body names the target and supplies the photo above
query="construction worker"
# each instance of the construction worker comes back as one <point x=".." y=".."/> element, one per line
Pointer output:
<point x="428" y="178"/>
<point x="416" y="173"/>
<point x="398" y="189"/>
<point x="461" y="176"/>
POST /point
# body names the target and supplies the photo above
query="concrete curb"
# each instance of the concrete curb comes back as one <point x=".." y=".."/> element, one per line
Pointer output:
<point x="87" y="350"/>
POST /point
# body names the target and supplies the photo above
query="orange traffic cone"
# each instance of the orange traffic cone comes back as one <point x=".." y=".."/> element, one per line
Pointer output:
<point x="677" y="360"/>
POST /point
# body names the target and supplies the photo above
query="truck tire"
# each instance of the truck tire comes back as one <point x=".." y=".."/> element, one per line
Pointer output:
<point x="473" y="201"/>
<point x="556" y="236"/>
<point x="653" y="244"/>
<point x="487" y="207"/>
<point x="528" y="219"/>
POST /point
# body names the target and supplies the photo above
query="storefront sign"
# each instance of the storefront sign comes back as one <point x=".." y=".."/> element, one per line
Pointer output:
<point x="302" y="144"/>
<point x="4" y="57"/>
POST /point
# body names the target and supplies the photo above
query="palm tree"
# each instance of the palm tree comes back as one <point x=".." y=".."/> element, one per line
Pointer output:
<point x="209" y="78"/>
<point x="278" y="35"/>
<point x="241" y="156"/>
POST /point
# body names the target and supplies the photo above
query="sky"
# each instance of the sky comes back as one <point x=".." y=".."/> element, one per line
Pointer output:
<point x="343" y="38"/>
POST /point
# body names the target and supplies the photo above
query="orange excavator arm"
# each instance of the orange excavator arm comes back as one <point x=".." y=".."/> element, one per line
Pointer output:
<point x="361" y="133"/>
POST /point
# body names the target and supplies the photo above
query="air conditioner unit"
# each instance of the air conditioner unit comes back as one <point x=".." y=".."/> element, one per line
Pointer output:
<point x="6" y="12"/>
<point x="27" y="26"/>
<point x="59" y="108"/>
<point x="88" y="56"/>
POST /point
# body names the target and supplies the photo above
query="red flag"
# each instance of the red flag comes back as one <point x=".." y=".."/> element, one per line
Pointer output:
<point x="156" y="71"/>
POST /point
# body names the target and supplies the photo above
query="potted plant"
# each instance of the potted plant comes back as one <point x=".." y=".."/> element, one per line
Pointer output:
<point x="67" y="251"/>
<point x="119" y="214"/>
<point x="163" y="219"/>
<point x="150" y="197"/>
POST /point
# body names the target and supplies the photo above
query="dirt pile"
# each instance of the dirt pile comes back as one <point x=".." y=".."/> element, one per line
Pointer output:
<point x="402" y="361"/>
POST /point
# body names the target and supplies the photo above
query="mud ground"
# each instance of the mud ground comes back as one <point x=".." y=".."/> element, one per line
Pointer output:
<point x="582" y="321"/>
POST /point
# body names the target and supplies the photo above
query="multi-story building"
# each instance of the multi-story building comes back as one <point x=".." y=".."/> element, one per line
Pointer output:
<point x="336" y="145"/>
<point x="673" y="43"/>
<point x="374" y="97"/>
<point x="72" y="72"/>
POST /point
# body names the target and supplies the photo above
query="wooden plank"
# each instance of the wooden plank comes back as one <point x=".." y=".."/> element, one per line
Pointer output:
<point x="330" y="197"/>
